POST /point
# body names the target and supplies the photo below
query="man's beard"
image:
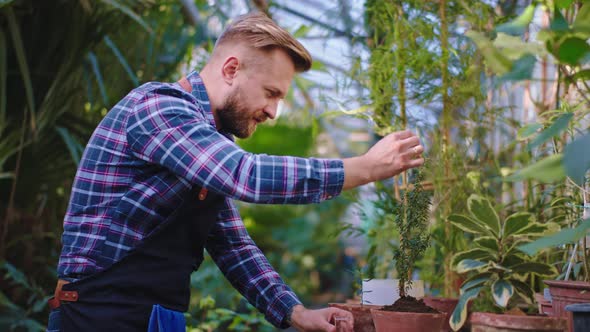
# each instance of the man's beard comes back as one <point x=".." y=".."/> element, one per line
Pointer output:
<point x="235" y="119"/>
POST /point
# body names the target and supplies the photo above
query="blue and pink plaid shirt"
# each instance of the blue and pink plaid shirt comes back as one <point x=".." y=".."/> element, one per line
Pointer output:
<point x="153" y="146"/>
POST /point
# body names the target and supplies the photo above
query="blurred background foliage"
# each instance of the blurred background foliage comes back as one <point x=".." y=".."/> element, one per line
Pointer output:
<point x="491" y="86"/>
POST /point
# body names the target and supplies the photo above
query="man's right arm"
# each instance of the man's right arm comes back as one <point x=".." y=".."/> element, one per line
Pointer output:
<point x="172" y="132"/>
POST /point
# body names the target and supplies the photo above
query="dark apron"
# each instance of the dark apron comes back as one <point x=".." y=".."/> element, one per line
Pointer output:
<point x="157" y="271"/>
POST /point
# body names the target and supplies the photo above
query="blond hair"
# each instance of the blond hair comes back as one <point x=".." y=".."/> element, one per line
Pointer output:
<point x="260" y="32"/>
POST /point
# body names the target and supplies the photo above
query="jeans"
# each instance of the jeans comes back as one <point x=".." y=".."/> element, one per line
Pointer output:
<point x="54" y="324"/>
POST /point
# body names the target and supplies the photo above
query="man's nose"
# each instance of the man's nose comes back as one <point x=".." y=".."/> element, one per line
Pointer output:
<point x="271" y="110"/>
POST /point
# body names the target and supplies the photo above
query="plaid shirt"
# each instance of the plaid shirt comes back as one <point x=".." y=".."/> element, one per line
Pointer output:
<point x="148" y="151"/>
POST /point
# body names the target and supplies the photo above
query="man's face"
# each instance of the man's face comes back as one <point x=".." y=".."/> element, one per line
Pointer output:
<point x="259" y="87"/>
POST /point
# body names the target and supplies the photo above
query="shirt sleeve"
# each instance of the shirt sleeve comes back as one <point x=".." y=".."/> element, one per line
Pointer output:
<point x="174" y="133"/>
<point x="246" y="267"/>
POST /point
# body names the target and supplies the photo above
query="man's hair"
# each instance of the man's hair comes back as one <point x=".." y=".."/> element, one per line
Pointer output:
<point x="260" y="32"/>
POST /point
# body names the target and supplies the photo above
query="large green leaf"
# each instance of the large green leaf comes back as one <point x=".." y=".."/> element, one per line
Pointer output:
<point x="542" y="269"/>
<point x="467" y="265"/>
<point x="583" y="16"/>
<point x="581" y="75"/>
<point x="111" y="44"/>
<point x="15" y="274"/>
<point x="572" y="50"/>
<point x="468" y="224"/>
<point x="475" y="281"/>
<point x="514" y="48"/>
<point x="519" y="24"/>
<point x="481" y="209"/>
<point x="576" y="159"/>
<point x="528" y="130"/>
<point x="523" y="289"/>
<point x="21" y="57"/>
<point x="558" y="126"/>
<point x="558" y="22"/>
<point x="567" y="235"/>
<point x="502" y="291"/>
<point x="521" y="69"/>
<point x="517" y="223"/>
<point x="549" y="169"/>
<point x="513" y="257"/>
<point x="496" y="61"/>
<point x="563" y="3"/>
<point x="73" y="145"/>
<point x="129" y="12"/>
<point x="475" y="253"/>
<point x="460" y="313"/>
<point x="488" y="243"/>
<point x="93" y="60"/>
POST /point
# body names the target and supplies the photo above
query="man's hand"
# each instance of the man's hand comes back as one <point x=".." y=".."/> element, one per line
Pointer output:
<point x="307" y="320"/>
<point x="390" y="156"/>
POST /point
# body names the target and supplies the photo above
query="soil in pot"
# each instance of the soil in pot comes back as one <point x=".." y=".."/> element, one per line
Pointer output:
<point x="408" y="315"/>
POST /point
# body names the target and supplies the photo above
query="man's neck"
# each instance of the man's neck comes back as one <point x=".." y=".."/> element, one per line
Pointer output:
<point x="209" y="83"/>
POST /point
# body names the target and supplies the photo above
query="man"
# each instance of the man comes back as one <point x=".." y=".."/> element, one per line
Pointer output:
<point x="158" y="178"/>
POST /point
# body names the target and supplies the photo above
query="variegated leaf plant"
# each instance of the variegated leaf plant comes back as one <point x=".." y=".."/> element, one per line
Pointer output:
<point x="494" y="258"/>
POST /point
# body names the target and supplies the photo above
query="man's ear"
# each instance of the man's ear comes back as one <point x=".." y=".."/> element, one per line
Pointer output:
<point x="229" y="69"/>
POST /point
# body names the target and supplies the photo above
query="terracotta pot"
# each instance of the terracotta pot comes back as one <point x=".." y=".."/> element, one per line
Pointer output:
<point x="545" y="306"/>
<point x="567" y="292"/>
<point x="363" y="321"/>
<point x="388" y="321"/>
<point x="486" y="322"/>
<point x="442" y="304"/>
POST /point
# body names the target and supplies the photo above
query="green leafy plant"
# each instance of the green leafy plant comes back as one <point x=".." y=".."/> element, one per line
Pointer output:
<point x="494" y="260"/>
<point x="411" y="218"/>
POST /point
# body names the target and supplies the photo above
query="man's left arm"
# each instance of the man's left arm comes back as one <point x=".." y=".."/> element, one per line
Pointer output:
<point x="248" y="270"/>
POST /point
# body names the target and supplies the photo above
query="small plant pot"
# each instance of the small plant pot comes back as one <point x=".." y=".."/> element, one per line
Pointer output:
<point x="487" y="322"/>
<point x="388" y="321"/>
<point x="363" y="320"/>
<point x="444" y="305"/>
<point x="567" y="292"/>
<point x="581" y="316"/>
<point x="545" y="306"/>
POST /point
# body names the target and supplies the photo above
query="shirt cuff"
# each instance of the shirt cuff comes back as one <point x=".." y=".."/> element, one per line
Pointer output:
<point x="280" y="307"/>
<point x="333" y="179"/>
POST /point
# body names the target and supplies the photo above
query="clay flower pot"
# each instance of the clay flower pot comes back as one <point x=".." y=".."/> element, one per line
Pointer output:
<point x="487" y="322"/>
<point x="545" y="306"/>
<point x="387" y="321"/>
<point x="567" y="292"/>
<point x="443" y="304"/>
<point x="363" y="321"/>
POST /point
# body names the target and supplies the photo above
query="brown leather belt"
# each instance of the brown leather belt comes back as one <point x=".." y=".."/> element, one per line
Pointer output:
<point x="61" y="295"/>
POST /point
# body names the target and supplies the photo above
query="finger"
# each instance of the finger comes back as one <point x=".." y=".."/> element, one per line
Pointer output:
<point x="409" y="142"/>
<point x="325" y="326"/>
<point x="402" y="134"/>
<point x="415" y="163"/>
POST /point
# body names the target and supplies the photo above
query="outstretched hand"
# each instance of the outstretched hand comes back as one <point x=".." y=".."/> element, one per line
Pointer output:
<point x="390" y="156"/>
<point x="308" y="320"/>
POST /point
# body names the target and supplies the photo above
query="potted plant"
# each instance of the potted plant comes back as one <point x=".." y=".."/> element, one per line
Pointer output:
<point x="363" y="321"/>
<point x="411" y="218"/>
<point x="499" y="270"/>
